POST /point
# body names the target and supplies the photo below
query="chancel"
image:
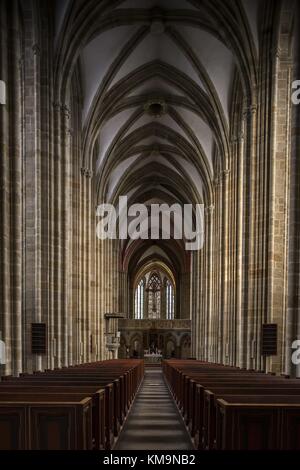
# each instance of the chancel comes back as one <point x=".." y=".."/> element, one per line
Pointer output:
<point x="113" y="323"/>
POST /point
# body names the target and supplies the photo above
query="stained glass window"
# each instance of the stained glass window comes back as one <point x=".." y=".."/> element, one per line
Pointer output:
<point x="139" y="301"/>
<point x="169" y="301"/>
<point x="154" y="292"/>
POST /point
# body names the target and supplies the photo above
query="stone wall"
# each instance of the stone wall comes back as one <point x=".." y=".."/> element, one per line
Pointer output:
<point x="245" y="262"/>
<point x="53" y="268"/>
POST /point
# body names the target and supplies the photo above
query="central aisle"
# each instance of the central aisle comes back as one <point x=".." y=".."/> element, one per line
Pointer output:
<point x="154" y="422"/>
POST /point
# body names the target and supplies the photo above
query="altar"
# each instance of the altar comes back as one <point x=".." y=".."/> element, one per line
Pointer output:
<point x="154" y="340"/>
<point x="153" y="358"/>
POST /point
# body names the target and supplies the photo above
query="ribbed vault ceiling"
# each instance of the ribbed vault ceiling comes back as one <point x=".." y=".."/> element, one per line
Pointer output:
<point x="178" y="58"/>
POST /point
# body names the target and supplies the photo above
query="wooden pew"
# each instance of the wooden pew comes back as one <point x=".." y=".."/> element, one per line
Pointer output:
<point x="46" y="423"/>
<point x="198" y="387"/>
<point x="98" y="403"/>
<point x="109" y="385"/>
<point x="210" y="406"/>
<point x="258" y="423"/>
<point x="73" y="377"/>
<point x="229" y="382"/>
<point x="73" y="383"/>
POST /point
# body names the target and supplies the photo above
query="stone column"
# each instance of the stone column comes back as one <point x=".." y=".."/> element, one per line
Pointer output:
<point x="219" y="273"/>
<point x="33" y="179"/>
<point x="66" y="324"/>
<point x="195" y="320"/>
<point x="225" y="264"/>
<point x="240" y="343"/>
<point x="251" y="269"/>
<point x="279" y="204"/>
<point x="198" y="307"/>
<point x="11" y="150"/>
<point x="16" y="115"/>
<point x="5" y="197"/>
<point x="209" y="232"/>
<point x="216" y="275"/>
<point x="293" y="306"/>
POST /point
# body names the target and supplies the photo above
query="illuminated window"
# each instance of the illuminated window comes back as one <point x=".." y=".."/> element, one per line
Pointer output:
<point x="169" y="301"/>
<point x="139" y="301"/>
<point x="154" y="290"/>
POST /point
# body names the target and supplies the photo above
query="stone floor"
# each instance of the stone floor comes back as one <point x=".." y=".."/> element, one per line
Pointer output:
<point x="154" y="422"/>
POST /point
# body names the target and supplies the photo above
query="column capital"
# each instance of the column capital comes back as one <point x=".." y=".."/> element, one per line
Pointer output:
<point x="65" y="111"/>
<point x="249" y="110"/>
<point x="238" y="137"/>
<point x="68" y="132"/>
<point x="225" y="173"/>
<point x="276" y="52"/>
<point x="56" y="106"/>
<point x="36" y="49"/>
<point x="62" y="109"/>
<point x="209" y="210"/>
<point x="21" y="62"/>
<point x="241" y="136"/>
<point x="86" y="172"/>
<point x="216" y="181"/>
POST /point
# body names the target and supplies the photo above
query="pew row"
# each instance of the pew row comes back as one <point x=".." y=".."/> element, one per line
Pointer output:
<point x="219" y="402"/>
<point x="106" y="388"/>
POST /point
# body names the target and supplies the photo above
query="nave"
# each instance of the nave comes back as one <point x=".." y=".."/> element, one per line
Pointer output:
<point x="122" y="107"/>
<point x="121" y="405"/>
<point x="154" y="422"/>
<point x="155" y="102"/>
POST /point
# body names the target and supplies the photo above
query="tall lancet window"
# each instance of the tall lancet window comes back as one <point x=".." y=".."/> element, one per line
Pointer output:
<point x="139" y="301"/>
<point x="169" y="300"/>
<point x="154" y="291"/>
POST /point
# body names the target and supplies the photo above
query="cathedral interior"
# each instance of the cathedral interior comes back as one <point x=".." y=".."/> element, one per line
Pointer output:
<point x="167" y="103"/>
